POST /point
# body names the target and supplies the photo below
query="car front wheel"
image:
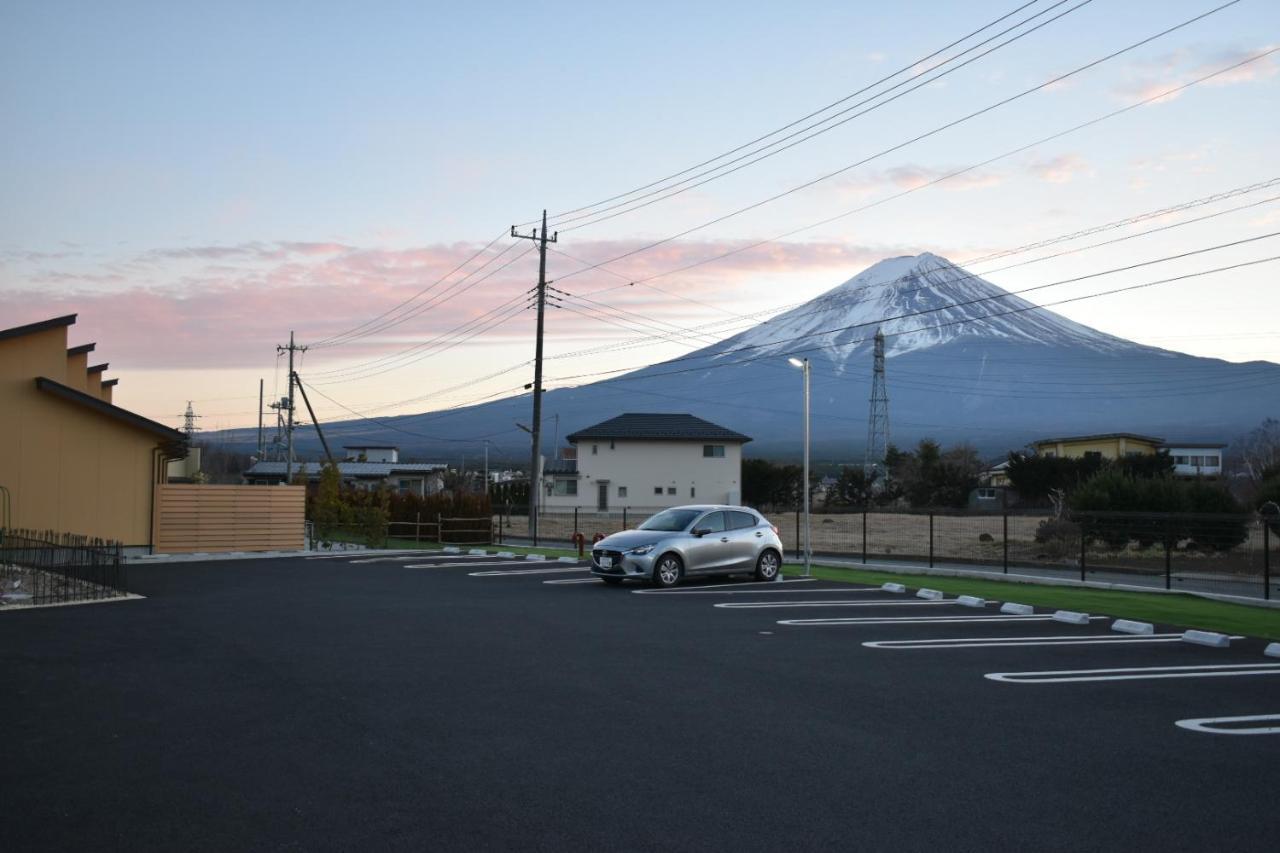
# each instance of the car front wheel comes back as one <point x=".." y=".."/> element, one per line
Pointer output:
<point x="767" y="566"/>
<point x="667" y="571"/>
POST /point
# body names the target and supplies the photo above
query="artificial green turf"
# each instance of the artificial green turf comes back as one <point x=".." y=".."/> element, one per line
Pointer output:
<point x="1177" y="609"/>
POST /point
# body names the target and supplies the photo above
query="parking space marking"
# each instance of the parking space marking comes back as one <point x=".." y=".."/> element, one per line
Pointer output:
<point x="911" y="620"/>
<point x="1224" y="725"/>
<point x="767" y="605"/>
<point x="499" y="574"/>
<point x="693" y="590"/>
<point x="453" y="564"/>
<point x="997" y="642"/>
<point x="575" y="580"/>
<point x="363" y="553"/>
<point x="1135" y="673"/>
<point x="421" y="556"/>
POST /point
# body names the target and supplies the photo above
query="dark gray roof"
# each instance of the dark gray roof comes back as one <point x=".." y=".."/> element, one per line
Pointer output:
<point x="347" y="469"/>
<point x="561" y="466"/>
<point x="658" y="427"/>
<point x="32" y="328"/>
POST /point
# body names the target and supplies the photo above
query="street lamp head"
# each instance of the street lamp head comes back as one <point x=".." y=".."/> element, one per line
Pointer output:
<point x="795" y="362"/>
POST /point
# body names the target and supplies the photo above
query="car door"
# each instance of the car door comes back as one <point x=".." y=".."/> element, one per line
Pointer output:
<point x="744" y="533"/>
<point x="707" y="553"/>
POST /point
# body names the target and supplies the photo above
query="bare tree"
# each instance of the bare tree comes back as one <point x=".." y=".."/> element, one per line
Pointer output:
<point x="1260" y="450"/>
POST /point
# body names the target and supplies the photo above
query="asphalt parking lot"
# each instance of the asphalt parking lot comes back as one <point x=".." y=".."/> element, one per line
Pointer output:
<point x="458" y="702"/>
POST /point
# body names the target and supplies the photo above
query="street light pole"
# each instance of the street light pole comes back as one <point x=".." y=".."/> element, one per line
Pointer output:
<point x="808" y="551"/>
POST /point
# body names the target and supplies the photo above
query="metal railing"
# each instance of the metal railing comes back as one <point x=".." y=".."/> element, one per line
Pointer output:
<point x="1227" y="554"/>
<point x="43" y="567"/>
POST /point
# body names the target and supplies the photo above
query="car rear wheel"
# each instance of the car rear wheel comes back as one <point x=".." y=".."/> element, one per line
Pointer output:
<point x="667" y="571"/>
<point x="767" y="566"/>
<point x="612" y="581"/>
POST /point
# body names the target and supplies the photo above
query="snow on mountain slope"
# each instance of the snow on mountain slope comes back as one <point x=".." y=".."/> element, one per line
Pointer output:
<point x="919" y="301"/>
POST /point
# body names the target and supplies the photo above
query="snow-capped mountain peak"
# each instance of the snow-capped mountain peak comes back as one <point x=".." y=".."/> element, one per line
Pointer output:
<point x="918" y="301"/>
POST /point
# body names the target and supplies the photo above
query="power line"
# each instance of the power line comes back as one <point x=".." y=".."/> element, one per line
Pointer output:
<point x="675" y="189"/>
<point x="925" y="135"/>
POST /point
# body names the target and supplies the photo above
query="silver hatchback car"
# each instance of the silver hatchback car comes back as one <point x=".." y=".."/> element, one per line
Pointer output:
<point x="691" y="540"/>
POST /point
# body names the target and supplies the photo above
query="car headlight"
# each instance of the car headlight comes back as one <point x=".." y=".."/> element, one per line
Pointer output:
<point x="641" y="551"/>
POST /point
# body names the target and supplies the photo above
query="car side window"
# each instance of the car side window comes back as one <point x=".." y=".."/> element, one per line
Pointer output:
<point x="739" y="520"/>
<point x="713" y="521"/>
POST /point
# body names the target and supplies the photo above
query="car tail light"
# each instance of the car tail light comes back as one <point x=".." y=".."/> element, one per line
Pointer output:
<point x="775" y="530"/>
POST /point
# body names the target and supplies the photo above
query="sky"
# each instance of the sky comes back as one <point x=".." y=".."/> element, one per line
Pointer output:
<point x="196" y="181"/>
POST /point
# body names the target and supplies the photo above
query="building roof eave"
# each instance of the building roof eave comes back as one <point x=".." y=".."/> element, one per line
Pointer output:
<point x="106" y="409"/>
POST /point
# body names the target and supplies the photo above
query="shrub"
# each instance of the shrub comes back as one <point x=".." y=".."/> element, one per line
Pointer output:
<point x="1059" y="536"/>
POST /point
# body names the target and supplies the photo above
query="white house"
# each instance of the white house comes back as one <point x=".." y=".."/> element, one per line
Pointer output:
<point x="372" y="453"/>
<point x="647" y="461"/>
<point x="1191" y="459"/>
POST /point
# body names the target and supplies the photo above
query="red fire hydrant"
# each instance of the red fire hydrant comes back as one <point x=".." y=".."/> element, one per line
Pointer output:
<point x="581" y="541"/>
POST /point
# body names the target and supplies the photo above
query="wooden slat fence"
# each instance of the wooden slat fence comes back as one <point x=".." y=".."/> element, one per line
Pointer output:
<point x="192" y="518"/>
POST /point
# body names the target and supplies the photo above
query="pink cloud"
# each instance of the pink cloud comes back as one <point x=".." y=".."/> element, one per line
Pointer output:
<point x="222" y="309"/>
<point x="1062" y="169"/>
<point x="1163" y="73"/>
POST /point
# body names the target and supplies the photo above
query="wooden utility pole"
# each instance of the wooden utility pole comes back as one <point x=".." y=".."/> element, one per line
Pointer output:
<point x="535" y="468"/>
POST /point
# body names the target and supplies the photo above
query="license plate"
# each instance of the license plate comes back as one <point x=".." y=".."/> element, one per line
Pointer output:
<point x="606" y="562"/>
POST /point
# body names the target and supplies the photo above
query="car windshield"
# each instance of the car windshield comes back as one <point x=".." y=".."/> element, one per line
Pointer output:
<point x="671" y="520"/>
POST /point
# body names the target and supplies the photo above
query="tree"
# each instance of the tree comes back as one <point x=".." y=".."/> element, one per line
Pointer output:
<point x="1260" y="450"/>
<point x="766" y="483"/>
<point x="1199" y="514"/>
<point x="931" y="477"/>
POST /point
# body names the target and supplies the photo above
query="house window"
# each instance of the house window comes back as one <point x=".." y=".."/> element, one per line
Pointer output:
<point x="1181" y="460"/>
<point x="671" y="490"/>
<point x="622" y="491"/>
<point x="693" y="491"/>
<point x="986" y="494"/>
<point x="713" y="451"/>
<point x="1093" y="455"/>
<point x="595" y="449"/>
<point x="406" y="485"/>
<point x="1211" y="461"/>
<point x="657" y="490"/>
<point x="565" y="487"/>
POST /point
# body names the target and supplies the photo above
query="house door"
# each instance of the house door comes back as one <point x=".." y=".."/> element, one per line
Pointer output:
<point x="602" y="497"/>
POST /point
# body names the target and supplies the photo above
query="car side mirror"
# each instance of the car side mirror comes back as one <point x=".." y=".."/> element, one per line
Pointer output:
<point x="700" y="531"/>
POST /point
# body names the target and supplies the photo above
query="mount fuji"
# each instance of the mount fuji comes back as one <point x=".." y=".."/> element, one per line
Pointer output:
<point x="966" y="361"/>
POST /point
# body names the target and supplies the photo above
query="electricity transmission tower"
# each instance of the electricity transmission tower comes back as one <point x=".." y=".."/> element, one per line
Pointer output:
<point x="878" y="419"/>
<point x="535" y="466"/>
<point x="189" y="422"/>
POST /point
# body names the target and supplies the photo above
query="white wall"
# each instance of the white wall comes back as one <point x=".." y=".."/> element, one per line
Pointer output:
<point x="1192" y="454"/>
<point x="641" y="466"/>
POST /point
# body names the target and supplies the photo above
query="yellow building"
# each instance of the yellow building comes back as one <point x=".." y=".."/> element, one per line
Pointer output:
<point x="1112" y="445"/>
<point x="71" y="461"/>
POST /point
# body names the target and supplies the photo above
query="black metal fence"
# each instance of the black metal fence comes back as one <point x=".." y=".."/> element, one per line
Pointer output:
<point x="1227" y="554"/>
<point x="43" y="567"/>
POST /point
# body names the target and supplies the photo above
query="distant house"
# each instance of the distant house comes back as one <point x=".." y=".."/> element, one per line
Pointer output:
<point x="1111" y="445"/>
<point x="1191" y="459"/>
<point x="372" y="453"/>
<point x="995" y="491"/>
<point x="647" y="461"/>
<point x="419" y="478"/>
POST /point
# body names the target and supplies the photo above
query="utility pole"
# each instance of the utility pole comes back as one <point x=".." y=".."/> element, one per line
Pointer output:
<point x="288" y="430"/>
<point x="260" y="390"/>
<point x="535" y="468"/>
<point x="486" y="466"/>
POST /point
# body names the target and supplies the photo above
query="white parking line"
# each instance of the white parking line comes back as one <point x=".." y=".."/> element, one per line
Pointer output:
<point x="499" y="574"/>
<point x="767" y="605"/>
<point x="418" y="556"/>
<point x="1214" y="725"/>
<point x="693" y="590"/>
<point x="362" y="552"/>
<point x="575" y="580"/>
<point x="998" y="642"/>
<point x="912" y="620"/>
<point x="464" y="565"/>
<point x="1135" y="673"/>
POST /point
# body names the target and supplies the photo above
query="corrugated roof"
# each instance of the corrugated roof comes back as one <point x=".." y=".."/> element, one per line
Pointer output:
<point x="348" y="469"/>
<point x="561" y="466"/>
<point x="1150" y="439"/>
<point x="658" y="427"/>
